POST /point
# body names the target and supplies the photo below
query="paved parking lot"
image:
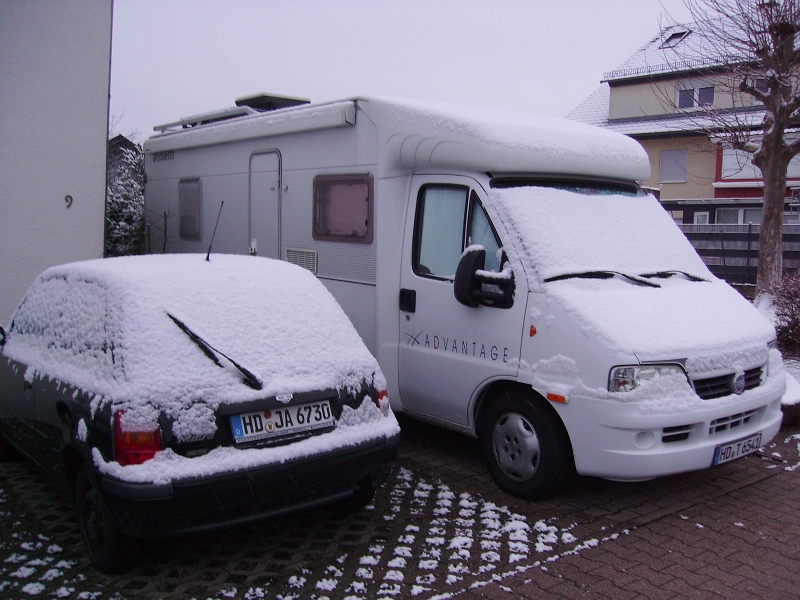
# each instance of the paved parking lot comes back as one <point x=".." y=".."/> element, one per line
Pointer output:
<point x="441" y="528"/>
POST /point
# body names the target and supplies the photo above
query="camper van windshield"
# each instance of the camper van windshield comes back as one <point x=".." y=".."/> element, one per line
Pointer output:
<point x="565" y="228"/>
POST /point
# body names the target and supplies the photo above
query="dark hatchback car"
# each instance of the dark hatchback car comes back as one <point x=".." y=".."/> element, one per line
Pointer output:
<point x="170" y="395"/>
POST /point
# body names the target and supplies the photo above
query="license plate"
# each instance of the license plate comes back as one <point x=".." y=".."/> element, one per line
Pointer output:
<point x="734" y="450"/>
<point x="278" y="422"/>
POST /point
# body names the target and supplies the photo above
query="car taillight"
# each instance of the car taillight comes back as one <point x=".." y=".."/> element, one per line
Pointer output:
<point x="382" y="400"/>
<point x="135" y="447"/>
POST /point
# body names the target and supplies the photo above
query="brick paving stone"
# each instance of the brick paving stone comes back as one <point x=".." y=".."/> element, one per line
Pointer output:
<point x="644" y="548"/>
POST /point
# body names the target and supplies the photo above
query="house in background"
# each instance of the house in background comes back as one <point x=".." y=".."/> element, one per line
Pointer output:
<point x="54" y="91"/>
<point x="666" y="96"/>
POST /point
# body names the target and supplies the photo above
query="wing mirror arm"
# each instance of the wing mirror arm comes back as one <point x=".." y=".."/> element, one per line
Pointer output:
<point x="468" y="285"/>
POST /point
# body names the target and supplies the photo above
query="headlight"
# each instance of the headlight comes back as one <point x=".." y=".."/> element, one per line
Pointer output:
<point x="628" y="378"/>
<point x="773" y="345"/>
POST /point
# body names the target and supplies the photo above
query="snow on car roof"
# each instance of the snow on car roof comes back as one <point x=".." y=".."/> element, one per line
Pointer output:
<point x="271" y="317"/>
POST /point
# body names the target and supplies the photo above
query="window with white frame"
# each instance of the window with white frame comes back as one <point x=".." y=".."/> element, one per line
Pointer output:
<point x="701" y="218"/>
<point x="674" y="166"/>
<point x="696" y="97"/>
<point x="737" y="164"/>
<point x="739" y="216"/>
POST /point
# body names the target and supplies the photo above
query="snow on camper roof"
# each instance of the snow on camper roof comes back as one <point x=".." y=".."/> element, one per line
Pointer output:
<point x="415" y="134"/>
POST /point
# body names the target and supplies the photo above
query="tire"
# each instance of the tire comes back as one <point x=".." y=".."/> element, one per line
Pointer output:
<point x="363" y="494"/>
<point x="108" y="550"/>
<point x="526" y="446"/>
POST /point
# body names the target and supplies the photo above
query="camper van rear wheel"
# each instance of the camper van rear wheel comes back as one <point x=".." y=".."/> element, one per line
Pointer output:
<point x="525" y="446"/>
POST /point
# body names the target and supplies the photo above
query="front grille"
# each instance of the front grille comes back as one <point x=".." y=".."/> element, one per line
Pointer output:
<point x="716" y="387"/>
<point x="732" y="422"/>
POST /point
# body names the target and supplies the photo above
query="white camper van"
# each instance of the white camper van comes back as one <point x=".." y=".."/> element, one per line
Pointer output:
<point x="511" y="277"/>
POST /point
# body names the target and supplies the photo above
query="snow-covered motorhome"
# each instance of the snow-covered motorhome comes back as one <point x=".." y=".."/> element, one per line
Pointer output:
<point x="511" y="277"/>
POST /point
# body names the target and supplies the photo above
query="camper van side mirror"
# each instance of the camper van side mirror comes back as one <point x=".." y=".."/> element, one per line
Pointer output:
<point x="2" y="336"/>
<point x="472" y="287"/>
<point x="465" y="284"/>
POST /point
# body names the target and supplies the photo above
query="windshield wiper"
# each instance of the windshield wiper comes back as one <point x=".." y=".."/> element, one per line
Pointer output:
<point x="665" y="274"/>
<point x="603" y="275"/>
<point x="249" y="379"/>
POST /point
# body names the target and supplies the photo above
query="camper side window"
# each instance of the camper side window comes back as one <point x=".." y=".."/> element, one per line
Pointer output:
<point x="450" y="218"/>
<point x="190" y="208"/>
<point x="481" y="232"/>
<point x="343" y="208"/>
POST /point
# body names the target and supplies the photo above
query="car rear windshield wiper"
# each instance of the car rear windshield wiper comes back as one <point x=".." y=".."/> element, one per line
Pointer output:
<point x="211" y="352"/>
<point x="665" y="274"/>
<point x="603" y="275"/>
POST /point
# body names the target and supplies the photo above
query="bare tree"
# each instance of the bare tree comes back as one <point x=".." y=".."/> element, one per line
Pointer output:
<point x="750" y="47"/>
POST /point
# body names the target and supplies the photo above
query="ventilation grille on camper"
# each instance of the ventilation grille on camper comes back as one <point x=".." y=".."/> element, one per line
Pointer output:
<point x="302" y="258"/>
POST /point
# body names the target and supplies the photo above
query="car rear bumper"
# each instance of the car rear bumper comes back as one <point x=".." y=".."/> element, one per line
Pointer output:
<point x="206" y="503"/>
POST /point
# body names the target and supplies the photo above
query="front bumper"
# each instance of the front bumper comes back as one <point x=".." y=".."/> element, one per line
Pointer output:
<point x="199" y="504"/>
<point x="614" y="440"/>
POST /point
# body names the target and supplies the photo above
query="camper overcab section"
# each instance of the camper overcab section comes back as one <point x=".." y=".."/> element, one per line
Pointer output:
<point x="511" y="277"/>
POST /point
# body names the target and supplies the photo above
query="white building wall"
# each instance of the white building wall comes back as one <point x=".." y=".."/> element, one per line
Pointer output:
<point x="54" y="87"/>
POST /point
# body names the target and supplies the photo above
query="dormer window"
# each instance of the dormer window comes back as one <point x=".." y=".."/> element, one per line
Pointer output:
<point x="674" y="39"/>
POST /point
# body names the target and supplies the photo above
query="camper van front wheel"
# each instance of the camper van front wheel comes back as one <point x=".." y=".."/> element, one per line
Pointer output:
<point x="525" y="446"/>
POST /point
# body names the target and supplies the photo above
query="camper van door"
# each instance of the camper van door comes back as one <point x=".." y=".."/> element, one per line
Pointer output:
<point x="265" y="204"/>
<point x="448" y="350"/>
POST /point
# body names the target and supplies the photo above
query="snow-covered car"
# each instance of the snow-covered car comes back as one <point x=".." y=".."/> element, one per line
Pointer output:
<point x="174" y="395"/>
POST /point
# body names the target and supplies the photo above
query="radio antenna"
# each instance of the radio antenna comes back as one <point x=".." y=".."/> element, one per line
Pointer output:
<point x="215" y="229"/>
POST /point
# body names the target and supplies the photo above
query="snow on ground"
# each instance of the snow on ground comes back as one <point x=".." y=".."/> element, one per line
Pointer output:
<point x="444" y="540"/>
<point x="32" y="564"/>
<point x="449" y="539"/>
<point x="792" y="367"/>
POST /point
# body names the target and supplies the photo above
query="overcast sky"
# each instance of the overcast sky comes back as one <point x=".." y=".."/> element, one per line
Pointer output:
<point x="176" y="58"/>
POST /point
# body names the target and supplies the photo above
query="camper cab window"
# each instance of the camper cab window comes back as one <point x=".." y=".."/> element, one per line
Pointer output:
<point x="190" y="207"/>
<point x="343" y="208"/>
<point x="450" y="218"/>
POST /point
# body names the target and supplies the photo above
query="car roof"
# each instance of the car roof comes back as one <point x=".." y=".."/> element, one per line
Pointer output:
<point x="271" y="317"/>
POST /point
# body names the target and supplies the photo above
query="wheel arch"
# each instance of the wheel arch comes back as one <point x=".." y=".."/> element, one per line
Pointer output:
<point x="499" y="388"/>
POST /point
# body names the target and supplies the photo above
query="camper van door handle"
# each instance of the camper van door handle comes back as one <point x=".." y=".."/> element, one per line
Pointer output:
<point x="408" y="300"/>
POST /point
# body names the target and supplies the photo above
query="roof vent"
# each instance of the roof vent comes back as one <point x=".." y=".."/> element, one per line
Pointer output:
<point x="674" y="39"/>
<point x="266" y="102"/>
